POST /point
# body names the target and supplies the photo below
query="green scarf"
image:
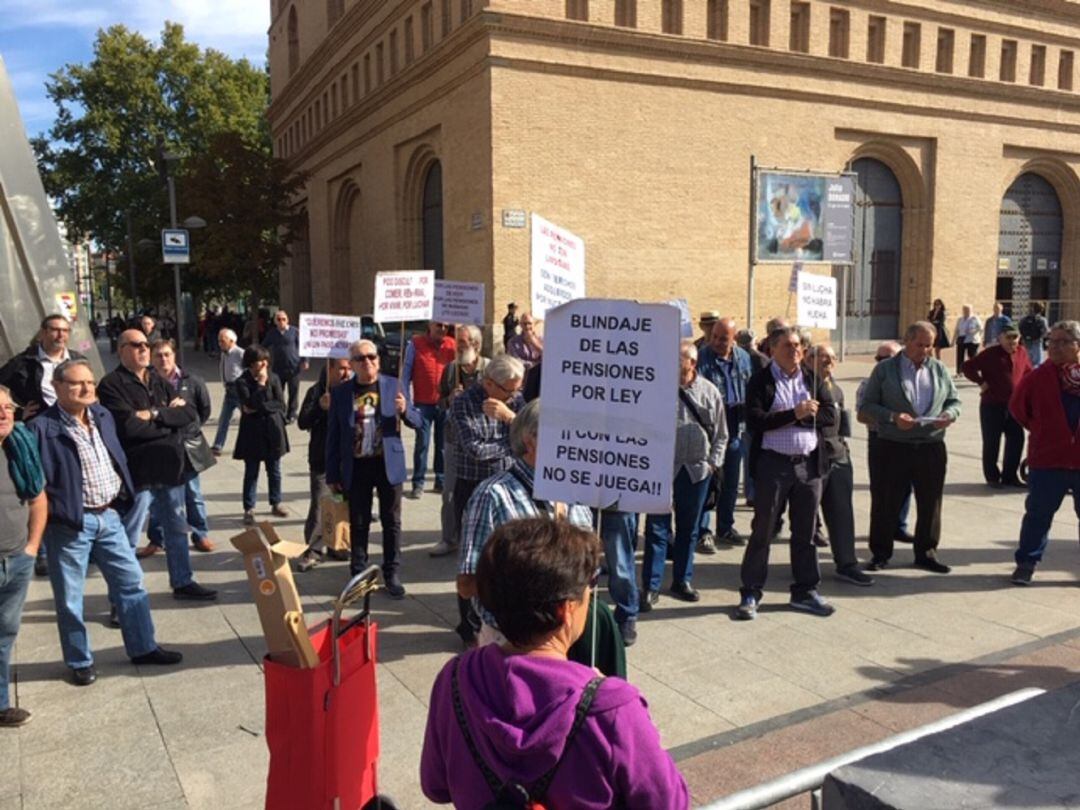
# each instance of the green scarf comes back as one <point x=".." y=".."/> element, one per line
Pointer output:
<point x="24" y="463"/>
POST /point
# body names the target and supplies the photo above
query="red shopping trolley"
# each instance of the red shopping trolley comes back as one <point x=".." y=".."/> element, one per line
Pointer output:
<point x="322" y="722"/>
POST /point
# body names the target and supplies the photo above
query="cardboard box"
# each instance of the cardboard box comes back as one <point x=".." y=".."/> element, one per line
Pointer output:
<point x="266" y="560"/>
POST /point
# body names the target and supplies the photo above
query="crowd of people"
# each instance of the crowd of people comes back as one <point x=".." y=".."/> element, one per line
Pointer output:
<point x="93" y="466"/>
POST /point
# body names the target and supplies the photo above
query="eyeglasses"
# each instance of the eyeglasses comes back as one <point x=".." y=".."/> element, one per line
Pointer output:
<point x="140" y="345"/>
<point x="508" y="391"/>
<point x="360" y="358"/>
<point x="1060" y="341"/>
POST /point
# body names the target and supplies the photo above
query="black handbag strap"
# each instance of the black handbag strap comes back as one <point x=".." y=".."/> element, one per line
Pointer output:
<point x="689" y="403"/>
<point x="541" y="786"/>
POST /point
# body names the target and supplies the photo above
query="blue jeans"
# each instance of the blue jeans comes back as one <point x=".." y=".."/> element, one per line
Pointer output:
<point x="432" y="416"/>
<point x="618" y="531"/>
<point x="228" y="406"/>
<point x="1046" y="491"/>
<point x="688" y="499"/>
<point x="729" y="491"/>
<point x="194" y="507"/>
<point x="251" y="481"/>
<point x="1035" y="351"/>
<point x="15" y="571"/>
<point x="103" y="540"/>
<point x="169" y="507"/>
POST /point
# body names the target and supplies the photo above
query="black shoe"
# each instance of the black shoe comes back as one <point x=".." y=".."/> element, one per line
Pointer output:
<point x="648" y="599"/>
<point x="628" y="629"/>
<point x="853" y="575"/>
<point x="877" y="564"/>
<point x="415" y="494"/>
<point x="114" y="616"/>
<point x="903" y="537"/>
<point x="820" y="542"/>
<point x="158" y="657"/>
<point x="341" y="555"/>
<point x="995" y="485"/>
<point x="438" y="487"/>
<point x="83" y="676"/>
<point x="194" y="592"/>
<point x="683" y="591"/>
<point x="1023" y="574"/>
<point x="1017" y="484"/>
<point x="706" y="543"/>
<point x="14" y="717"/>
<point x="929" y="562"/>
<point x="731" y="538"/>
<point x="394" y="588"/>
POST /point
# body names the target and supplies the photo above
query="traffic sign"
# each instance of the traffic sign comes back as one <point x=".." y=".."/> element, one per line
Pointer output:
<point x="175" y="246"/>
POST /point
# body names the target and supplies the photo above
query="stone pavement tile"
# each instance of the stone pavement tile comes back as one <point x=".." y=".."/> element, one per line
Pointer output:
<point x="968" y="635"/>
<point x="402" y="720"/>
<point x="753" y="701"/>
<point x="233" y="776"/>
<point x="910" y="708"/>
<point x="11" y="745"/>
<point x="13" y="802"/>
<point x="681" y="717"/>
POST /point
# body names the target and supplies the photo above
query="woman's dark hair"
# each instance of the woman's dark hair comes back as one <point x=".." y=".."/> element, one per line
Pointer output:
<point x="528" y="568"/>
<point x="253" y="354"/>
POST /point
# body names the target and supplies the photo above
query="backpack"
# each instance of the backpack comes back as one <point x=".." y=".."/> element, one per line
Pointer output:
<point x="1031" y="328"/>
<point x="511" y="795"/>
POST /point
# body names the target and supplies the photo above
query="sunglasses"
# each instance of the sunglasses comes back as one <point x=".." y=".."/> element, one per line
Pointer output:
<point x="360" y="358"/>
<point x="142" y="345"/>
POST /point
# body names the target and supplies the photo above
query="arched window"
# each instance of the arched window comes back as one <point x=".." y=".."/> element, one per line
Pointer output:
<point x="294" y="42"/>
<point x="431" y="221"/>
<point x="672" y="17"/>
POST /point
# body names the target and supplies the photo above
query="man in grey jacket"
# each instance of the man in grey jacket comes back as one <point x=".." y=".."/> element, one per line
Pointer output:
<point x="912" y="399"/>
<point x="701" y="436"/>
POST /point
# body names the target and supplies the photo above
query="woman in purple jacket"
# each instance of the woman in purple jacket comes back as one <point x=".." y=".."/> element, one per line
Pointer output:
<point x="505" y="719"/>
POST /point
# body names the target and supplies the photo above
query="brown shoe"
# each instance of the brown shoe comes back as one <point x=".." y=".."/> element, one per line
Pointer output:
<point x="204" y="544"/>
<point x="14" y="717"/>
<point x="277" y="510"/>
<point x="149" y="550"/>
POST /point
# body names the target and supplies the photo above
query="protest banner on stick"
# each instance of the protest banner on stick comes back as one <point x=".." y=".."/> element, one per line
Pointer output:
<point x="816" y="301"/>
<point x="558" y="266"/>
<point x="329" y="336"/>
<point x="458" y="302"/>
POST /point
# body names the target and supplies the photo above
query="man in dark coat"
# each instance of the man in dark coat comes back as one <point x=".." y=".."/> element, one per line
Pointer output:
<point x="151" y="422"/>
<point x="283" y="342"/>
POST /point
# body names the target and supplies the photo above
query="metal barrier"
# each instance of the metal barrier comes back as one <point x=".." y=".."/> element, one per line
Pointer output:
<point x="811" y="778"/>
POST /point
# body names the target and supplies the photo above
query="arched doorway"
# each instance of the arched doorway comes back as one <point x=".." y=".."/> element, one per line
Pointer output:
<point x="346" y="242"/>
<point x="872" y="297"/>
<point x="431" y="221"/>
<point x="1029" y="246"/>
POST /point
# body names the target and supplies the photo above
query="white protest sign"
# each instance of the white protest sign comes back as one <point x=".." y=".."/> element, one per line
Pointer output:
<point x="608" y="405"/>
<point x="686" y="323"/>
<point x="404" y="295"/>
<point x="459" y="302"/>
<point x="558" y="266"/>
<point x="328" y="335"/>
<point x="816" y="301"/>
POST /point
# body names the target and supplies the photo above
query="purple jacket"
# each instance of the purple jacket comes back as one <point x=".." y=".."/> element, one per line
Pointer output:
<point x="519" y="710"/>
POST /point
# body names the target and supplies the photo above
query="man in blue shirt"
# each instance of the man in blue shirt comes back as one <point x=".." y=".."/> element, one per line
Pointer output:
<point x="728" y="367"/>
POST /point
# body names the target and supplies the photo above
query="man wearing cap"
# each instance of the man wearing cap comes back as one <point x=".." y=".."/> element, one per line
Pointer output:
<point x="705" y="323"/>
<point x="996" y="371"/>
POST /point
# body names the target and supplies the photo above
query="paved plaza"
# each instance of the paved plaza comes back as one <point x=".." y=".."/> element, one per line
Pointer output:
<point x="736" y="702"/>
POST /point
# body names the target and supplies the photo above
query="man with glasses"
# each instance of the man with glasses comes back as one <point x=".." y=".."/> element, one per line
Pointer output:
<point x="997" y="371"/>
<point x="480" y="418"/>
<point x="87" y="482"/>
<point x="528" y="347"/>
<point x="426" y="357"/>
<point x="283" y="343"/>
<point x="152" y="421"/>
<point x="1047" y="403"/>
<point x="364" y="453"/>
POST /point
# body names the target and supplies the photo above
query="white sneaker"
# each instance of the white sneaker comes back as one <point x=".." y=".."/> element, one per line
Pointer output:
<point x="443" y="549"/>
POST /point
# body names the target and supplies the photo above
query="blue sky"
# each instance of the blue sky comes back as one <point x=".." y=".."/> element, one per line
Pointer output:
<point x="37" y="37"/>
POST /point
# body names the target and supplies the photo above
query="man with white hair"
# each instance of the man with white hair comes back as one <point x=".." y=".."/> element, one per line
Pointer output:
<point x="232" y="366"/>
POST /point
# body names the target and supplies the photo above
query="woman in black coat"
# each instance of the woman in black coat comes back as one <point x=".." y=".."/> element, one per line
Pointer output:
<point x="262" y="436"/>
<point x="938" y="317"/>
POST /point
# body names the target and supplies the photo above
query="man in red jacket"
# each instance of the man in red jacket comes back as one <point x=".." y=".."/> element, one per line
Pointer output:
<point x="426" y="357"/>
<point x="1047" y="403"/>
<point x="996" y="371"/>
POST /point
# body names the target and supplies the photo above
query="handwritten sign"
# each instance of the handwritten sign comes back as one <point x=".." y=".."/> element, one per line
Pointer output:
<point x="558" y="266"/>
<point x="816" y="301"/>
<point x="404" y="295"/>
<point x="328" y="335"/>
<point x="459" y="302"/>
<point x="609" y="395"/>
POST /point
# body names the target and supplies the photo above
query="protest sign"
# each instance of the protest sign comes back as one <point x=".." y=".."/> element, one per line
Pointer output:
<point x="816" y="301"/>
<point x="404" y="295"/>
<point x="328" y="335"/>
<point x="558" y="266"/>
<point x="686" y="323"/>
<point x="458" y="302"/>
<point x="609" y="395"/>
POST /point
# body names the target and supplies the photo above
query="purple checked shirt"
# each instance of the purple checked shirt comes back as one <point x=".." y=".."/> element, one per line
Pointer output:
<point x="793" y="439"/>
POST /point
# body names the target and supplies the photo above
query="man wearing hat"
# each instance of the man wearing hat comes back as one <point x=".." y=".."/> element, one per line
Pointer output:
<point x="997" y="370"/>
<point x="705" y="323"/>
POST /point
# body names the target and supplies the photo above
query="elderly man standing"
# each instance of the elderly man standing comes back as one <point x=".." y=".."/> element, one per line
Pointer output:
<point x="528" y="347"/>
<point x="701" y="436"/>
<point x="283" y="343"/>
<point x="480" y="417"/>
<point x="21" y="482"/>
<point x="232" y="366"/>
<point x="426" y="357"/>
<point x="912" y="400"/>
<point x="364" y="453"/>
<point x="727" y="367"/>
<point x="86" y="478"/>
<point x="786" y="408"/>
<point x="1047" y="403"/>
<point x="997" y="370"/>
<point x="152" y="421"/>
